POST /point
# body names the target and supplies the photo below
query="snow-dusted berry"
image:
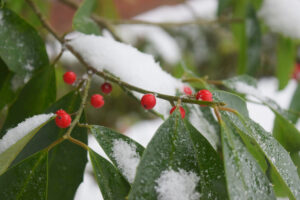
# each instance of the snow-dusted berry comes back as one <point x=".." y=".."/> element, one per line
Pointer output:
<point x="97" y="101"/>
<point x="148" y="101"/>
<point x="204" y="95"/>
<point x="63" y="119"/>
<point x="106" y="88"/>
<point x="181" y="109"/>
<point x="187" y="90"/>
<point x="69" y="77"/>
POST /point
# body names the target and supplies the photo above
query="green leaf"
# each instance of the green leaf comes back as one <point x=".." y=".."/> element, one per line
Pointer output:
<point x="82" y="21"/>
<point x="27" y="180"/>
<point x="245" y="179"/>
<point x="108" y="139"/>
<point x="21" y="48"/>
<point x="286" y="133"/>
<point x="232" y="101"/>
<point x="277" y="156"/>
<point x="179" y="148"/>
<point x="284" y="130"/>
<point x="66" y="161"/>
<point x="263" y="145"/>
<point x="7" y="157"/>
<point x="253" y="40"/>
<point x="295" y="105"/>
<point x="112" y="184"/>
<point x="286" y="52"/>
<point x="33" y="99"/>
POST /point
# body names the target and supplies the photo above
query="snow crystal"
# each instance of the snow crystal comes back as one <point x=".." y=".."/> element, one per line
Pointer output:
<point x="126" y="157"/>
<point x="282" y="16"/>
<point x="127" y="63"/>
<point x="172" y="185"/>
<point x="28" y="67"/>
<point x="13" y="135"/>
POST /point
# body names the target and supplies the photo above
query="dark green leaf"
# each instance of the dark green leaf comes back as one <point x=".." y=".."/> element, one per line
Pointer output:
<point x="113" y="186"/>
<point x="82" y="21"/>
<point x="245" y="179"/>
<point x="67" y="160"/>
<point x="179" y="148"/>
<point x="21" y="48"/>
<point x="7" y="93"/>
<point x="204" y="121"/>
<point x="253" y="37"/>
<point x="109" y="139"/>
<point x="27" y="180"/>
<point x="286" y="52"/>
<point x="223" y="5"/>
<point x="33" y="99"/>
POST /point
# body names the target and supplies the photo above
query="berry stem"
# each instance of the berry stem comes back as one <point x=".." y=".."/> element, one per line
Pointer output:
<point x="80" y="110"/>
<point x="218" y="115"/>
<point x="78" y="142"/>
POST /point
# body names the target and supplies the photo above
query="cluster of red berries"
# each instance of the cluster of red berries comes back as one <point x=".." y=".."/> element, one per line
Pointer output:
<point x="97" y="100"/>
<point x="148" y="101"/>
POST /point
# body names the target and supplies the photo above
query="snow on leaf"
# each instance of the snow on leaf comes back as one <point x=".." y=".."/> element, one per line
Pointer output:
<point x="173" y="185"/>
<point x="127" y="158"/>
<point x="22" y="129"/>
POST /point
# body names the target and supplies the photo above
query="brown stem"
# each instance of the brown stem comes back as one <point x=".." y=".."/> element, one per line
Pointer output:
<point x="218" y="115"/>
<point x="228" y="109"/>
<point x="78" y="142"/>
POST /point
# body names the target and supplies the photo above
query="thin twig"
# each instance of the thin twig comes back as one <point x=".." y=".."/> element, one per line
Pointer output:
<point x="137" y="89"/>
<point x="57" y="57"/>
<point x="118" y="81"/>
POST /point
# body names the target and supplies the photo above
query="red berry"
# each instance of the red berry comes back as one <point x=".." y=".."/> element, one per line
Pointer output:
<point x="106" y="88"/>
<point x="69" y="77"/>
<point x="97" y="101"/>
<point x="204" y="95"/>
<point x="60" y="112"/>
<point x="296" y="73"/>
<point x="182" y="111"/>
<point x="63" y="119"/>
<point x="148" y="101"/>
<point x="187" y="90"/>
